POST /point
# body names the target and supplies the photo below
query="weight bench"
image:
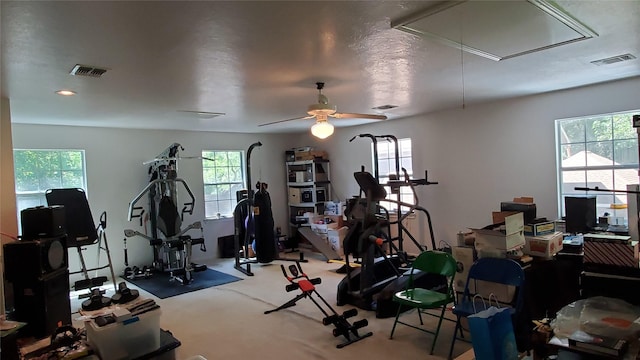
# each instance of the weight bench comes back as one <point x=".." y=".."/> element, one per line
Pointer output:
<point x="342" y="326"/>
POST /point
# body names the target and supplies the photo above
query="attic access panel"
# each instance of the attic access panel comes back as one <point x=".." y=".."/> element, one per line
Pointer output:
<point x="496" y="30"/>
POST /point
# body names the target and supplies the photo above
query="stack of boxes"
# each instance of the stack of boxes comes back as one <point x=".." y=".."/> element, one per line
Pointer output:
<point x="331" y="228"/>
<point x="515" y="230"/>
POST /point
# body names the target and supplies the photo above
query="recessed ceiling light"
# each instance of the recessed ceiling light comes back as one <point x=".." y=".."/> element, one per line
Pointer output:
<point x="66" y="92"/>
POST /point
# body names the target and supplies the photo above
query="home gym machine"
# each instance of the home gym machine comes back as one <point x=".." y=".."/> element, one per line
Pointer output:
<point x="254" y="225"/>
<point x="342" y="326"/>
<point x="172" y="248"/>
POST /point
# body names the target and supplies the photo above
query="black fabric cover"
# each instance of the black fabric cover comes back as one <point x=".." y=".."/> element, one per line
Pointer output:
<point x="265" y="241"/>
<point x="168" y="217"/>
<point x="240" y="214"/>
<point x="80" y="228"/>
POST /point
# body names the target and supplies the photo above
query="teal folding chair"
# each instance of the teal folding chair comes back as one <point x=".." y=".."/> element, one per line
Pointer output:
<point x="431" y="262"/>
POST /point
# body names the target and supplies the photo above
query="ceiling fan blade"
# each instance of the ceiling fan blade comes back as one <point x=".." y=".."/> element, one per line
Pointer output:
<point x="358" y="116"/>
<point x="281" y="121"/>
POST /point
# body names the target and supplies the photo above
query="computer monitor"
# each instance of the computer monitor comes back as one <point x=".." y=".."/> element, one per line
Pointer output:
<point x="580" y="213"/>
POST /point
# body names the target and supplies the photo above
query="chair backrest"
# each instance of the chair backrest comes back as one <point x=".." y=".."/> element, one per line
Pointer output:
<point x="435" y="262"/>
<point x="498" y="270"/>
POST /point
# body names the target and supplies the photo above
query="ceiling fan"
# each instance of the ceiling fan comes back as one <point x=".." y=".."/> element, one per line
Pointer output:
<point x="322" y="111"/>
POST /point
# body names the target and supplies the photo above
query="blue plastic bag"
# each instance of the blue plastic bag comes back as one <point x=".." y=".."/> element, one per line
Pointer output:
<point x="492" y="334"/>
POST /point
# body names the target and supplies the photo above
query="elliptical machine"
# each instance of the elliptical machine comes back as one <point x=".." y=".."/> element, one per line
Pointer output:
<point x="371" y="286"/>
<point x="365" y="238"/>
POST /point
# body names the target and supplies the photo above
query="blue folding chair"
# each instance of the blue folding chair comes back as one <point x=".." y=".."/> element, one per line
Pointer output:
<point x="495" y="270"/>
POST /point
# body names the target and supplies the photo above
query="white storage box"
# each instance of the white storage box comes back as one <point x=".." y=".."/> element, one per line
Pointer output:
<point x="512" y="237"/>
<point x="335" y="238"/>
<point x="132" y="338"/>
<point x="465" y="257"/>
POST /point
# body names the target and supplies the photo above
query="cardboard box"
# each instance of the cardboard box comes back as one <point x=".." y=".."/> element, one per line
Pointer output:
<point x="303" y="176"/>
<point x="321" y="224"/>
<point x="295" y="197"/>
<point x="507" y="237"/>
<point x="465" y="257"/>
<point x="504" y="293"/>
<point x="541" y="228"/>
<point x="499" y="216"/>
<point x="333" y="208"/>
<point x="544" y="246"/>
<point x="335" y="238"/>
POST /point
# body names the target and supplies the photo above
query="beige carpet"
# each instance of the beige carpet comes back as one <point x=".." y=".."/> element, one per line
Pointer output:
<point x="228" y="321"/>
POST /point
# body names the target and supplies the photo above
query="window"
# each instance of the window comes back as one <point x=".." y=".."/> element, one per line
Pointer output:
<point x="598" y="151"/>
<point x="222" y="178"/>
<point x="36" y="171"/>
<point x="387" y="165"/>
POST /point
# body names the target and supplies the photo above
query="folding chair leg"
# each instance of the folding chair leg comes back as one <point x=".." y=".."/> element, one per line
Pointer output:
<point x="435" y="335"/>
<point x="455" y="336"/>
<point x="395" y="322"/>
<point x="420" y="316"/>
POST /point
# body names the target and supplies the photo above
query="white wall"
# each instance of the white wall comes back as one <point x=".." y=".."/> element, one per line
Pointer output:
<point x="116" y="174"/>
<point x="481" y="155"/>
<point x="8" y="220"/>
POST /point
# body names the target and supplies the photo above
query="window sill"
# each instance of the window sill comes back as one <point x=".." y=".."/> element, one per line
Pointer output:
<point x="222" y="218"/>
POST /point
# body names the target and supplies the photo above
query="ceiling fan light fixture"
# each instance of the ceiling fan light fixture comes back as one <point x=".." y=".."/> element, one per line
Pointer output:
<point x="322" y="129"/>
<point x="315" y="109"/>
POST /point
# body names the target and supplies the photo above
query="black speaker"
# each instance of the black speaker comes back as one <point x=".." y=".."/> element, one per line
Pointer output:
<point x="31" y="260"/>
<point x="42" y="222"/>
<point x="580" y="213"/>
<point x="43" y="303"/>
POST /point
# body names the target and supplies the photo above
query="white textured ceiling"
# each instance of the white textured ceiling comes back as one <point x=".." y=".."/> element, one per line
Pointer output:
<point x="258" y="62"/>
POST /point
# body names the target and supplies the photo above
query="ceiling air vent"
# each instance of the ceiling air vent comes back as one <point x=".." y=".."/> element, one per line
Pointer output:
<point x="385" y="107"/>
<point x="613" y="60"/>
<point x="85" y="70"/>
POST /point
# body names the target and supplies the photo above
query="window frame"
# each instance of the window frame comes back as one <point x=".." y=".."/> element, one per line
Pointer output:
<point x="211" y="154"/>
<point x="618" y="171"/>
<point x="38" y="197"/>
<point x="386" y="159"/>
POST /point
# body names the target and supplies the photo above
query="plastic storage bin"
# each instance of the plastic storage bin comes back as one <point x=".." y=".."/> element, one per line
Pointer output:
<point x="132" y="338"/>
